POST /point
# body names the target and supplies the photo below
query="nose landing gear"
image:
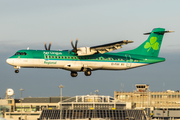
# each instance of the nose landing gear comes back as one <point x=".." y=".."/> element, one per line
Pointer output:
<point x="16" y="71"/>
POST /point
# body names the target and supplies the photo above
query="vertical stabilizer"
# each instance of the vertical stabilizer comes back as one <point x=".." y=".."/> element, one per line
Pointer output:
<point x="152" y="45"/>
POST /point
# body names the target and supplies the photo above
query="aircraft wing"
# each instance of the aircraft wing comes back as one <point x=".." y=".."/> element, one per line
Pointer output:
<point x="110" y="47"/>
<point x="84" y="51"/>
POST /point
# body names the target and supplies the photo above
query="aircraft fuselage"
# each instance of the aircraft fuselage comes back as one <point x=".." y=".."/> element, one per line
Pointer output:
<point x="69" y="61"/>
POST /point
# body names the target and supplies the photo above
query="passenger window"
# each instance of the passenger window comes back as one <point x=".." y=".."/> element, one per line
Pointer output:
<point x="25" y="53"/>
<point x="49" y="56"/>
<point x="62" y="57"/>
<point x="56" y="57"/>
<point x="101" y="58"/>
<point x="22" y="53"/>
<point x="52" y="56"/>
<point x="65" y="57"/>
<point x="68" y="57"/>
<point x="46" y="56"/>
<point x="59" y="57"/>
<point x="71" y="57"/>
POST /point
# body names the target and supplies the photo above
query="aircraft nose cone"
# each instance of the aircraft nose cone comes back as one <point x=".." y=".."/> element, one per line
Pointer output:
<point x="9" y="61"/>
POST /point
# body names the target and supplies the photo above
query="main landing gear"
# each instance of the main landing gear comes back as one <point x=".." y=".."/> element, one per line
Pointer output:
<point x="16" y="71"/>
<point x="86" y="73"/>
<point x="74" y="74"/>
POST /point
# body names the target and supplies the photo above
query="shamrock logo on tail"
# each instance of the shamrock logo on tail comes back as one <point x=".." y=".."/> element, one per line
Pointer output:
<point x="153" y="44"/>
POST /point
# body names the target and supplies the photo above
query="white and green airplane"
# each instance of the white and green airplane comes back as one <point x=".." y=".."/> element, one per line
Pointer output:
<point x="88" y="59"/>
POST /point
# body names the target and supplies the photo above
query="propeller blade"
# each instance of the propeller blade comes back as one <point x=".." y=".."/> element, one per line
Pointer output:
<point x="74" y="47"/>
<point x="76" y="43"/>
<point x="49" y="46"/>
<point x="45" y="46"/>
<point x="72" y="44"/>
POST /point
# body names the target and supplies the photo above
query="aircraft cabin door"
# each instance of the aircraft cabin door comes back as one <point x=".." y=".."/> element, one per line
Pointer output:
<point x="128" y="60"/>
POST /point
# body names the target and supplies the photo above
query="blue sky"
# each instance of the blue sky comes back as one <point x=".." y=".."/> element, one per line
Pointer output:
<point x="31" y="23"/>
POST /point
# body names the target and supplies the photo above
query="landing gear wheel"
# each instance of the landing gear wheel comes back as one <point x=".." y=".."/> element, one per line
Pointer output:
<point x="74" y="74"/>
<point x="87" y="72"/>
<point x="16" y="71"/>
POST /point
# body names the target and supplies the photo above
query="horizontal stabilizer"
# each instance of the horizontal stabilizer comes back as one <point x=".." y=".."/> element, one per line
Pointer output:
<point x="158" y="32"/>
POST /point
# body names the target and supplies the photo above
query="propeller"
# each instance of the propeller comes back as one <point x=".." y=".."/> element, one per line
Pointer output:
<point x="46" y="46"/>
<point x="74" y="47"/>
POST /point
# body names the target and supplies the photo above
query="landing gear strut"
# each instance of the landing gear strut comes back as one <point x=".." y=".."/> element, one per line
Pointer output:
<point x="16" y="71"/>
<point x="87" y="72"/>
<point x="74" y="74"/>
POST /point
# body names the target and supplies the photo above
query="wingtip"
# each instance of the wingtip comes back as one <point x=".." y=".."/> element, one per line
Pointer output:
<point x="128" y="41"/>
<point x="171" y="31"/>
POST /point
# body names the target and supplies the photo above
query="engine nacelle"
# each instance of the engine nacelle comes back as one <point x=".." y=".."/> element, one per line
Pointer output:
<point x="73" y="67"/>
<point x="83" y="51"/>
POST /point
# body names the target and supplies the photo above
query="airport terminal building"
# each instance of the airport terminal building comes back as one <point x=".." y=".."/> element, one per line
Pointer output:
<point x="136" y="105"/>
<point x="77" y="107"/>
<point x="142" y="97"/>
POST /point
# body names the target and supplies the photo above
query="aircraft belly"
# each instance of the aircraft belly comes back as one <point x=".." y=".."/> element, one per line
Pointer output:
<point x="60" y="64"/>
<point x="93" y="65"/>
<point x="114" y="66"/>
<point x="119" y="65"/>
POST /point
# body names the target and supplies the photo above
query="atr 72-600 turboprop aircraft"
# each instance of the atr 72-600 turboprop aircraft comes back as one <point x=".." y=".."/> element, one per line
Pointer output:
<point x="87" y="59"/>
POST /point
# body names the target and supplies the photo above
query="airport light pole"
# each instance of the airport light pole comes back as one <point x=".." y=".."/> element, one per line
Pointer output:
<point x="21" y="101"/>
<point x="61" y="86"/>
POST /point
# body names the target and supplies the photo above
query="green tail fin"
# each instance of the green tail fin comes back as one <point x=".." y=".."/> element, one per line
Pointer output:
<point x="152" y="45"/>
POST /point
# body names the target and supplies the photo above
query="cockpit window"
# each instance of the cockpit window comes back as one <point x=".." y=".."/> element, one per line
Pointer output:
<point x="20" y="53"/>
